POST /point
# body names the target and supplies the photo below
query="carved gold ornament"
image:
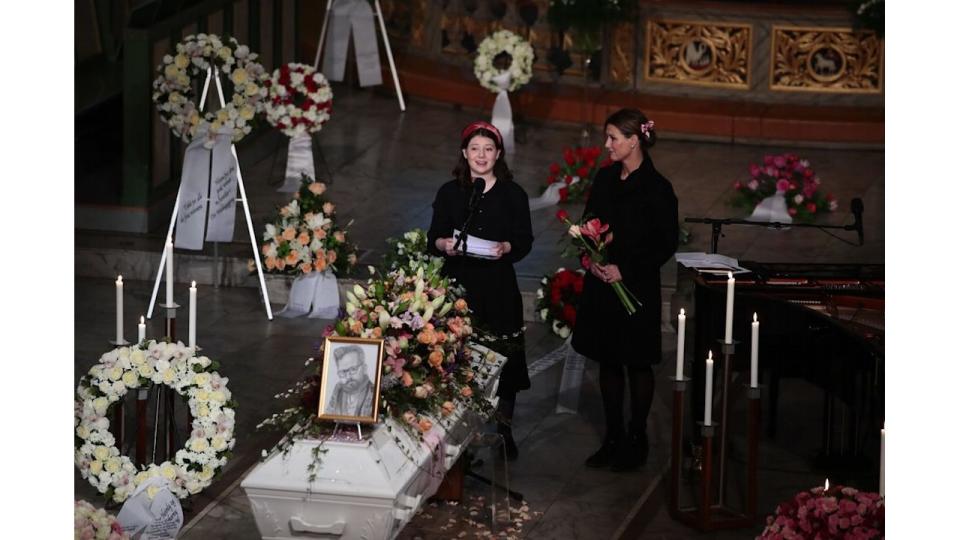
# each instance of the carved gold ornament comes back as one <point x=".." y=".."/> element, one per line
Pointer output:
<point x="700" y="53"/>
<point x="826" y="60"/>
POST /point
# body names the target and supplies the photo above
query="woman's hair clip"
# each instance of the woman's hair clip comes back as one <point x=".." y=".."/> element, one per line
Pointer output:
<point x="646" y="128"/>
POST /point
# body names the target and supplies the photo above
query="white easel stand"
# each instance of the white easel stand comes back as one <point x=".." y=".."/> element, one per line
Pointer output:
<point x="386" y="42"/>
<point x="243" y="199"/>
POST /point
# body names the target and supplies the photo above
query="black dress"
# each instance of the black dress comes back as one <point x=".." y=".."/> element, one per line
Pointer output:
<point x="642" y="212"/>
<point x="502" y="215"/>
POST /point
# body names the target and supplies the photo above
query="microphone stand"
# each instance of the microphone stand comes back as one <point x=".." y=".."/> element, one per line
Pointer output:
<point x="471" y="210"/>
<point x="718" y="223"/>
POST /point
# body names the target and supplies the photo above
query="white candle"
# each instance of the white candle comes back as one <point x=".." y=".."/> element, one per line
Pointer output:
<point x="728" y="335"/>
<point x="681" y="334"/>
<point x="119" y="284"/>
<point x="169" y="273"/>
<point x="141" y="330"/>
<point x="826" y="485"/>
<point x="883" y="444"/>
<point x="754" y="348"/>
<point x="708" y="392"/>
<point x="193" y="314"/>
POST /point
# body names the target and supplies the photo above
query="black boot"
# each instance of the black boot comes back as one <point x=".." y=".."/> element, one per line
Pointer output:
<point x="509" y="445"/>
<point x="631" y="453"/>
<point x="603" y="456"/>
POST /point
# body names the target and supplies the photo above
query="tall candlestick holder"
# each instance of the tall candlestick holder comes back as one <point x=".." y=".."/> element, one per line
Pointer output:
<point x="710" y="511"/>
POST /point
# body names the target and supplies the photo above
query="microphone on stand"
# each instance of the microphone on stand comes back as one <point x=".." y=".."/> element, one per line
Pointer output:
<point x="475" y="193"/>
<point x="856" y="207"/>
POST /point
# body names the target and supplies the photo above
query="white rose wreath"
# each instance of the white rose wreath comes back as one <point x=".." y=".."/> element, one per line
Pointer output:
<point x="299" y="99"/>
<point x="128" y="368"/>
<point x="173" y="91"/>
<point x="521" y="60"/>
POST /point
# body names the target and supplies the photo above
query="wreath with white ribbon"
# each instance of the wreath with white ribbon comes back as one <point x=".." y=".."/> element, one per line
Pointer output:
<point x="299" y="99"/>
<point x="128" y="368"/>
<point x="503" y="42"/>
<point x="173" y="91"/>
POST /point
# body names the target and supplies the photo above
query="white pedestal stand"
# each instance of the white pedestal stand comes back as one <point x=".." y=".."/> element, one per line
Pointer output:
<point x="243" y="199"/>
<point x="386" y="43"/>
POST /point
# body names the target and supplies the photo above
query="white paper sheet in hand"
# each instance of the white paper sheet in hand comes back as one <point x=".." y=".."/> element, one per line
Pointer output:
<point x="478" y="247"/>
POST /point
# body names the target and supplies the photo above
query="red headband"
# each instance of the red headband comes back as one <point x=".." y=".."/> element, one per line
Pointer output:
<point x="480" y="124"/>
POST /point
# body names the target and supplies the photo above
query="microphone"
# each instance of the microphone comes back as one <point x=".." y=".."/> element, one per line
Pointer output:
<point x="856" y="207"/>
<point x="478" y="185"/>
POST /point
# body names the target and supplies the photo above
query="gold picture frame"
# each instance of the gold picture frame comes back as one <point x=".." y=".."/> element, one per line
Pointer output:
<point x="350" y="393"/>
<point x="826" y="60"/>
<point x="701" y="53"/>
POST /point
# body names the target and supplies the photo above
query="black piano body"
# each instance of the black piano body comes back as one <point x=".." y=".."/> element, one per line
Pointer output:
<point x="819" y="322"/>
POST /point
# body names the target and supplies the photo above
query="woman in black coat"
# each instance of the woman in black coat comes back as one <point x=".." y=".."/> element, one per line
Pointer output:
<point x="501" y="214"/>
<point x="639" y="205"/>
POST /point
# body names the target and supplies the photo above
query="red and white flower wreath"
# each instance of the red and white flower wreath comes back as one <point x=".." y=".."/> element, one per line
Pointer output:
<point x="299" y="99"/>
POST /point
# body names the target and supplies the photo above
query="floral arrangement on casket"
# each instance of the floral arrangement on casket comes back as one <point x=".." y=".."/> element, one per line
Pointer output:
<point x="789" y="175"/>
<point x="408" y="251"/>
<point x="299" y="99"/>
<point x="173" y="89"/>
<point x="493" y="55"/>
<point x="828" y="512"/>
<point x="557" y="300"/>
<point x="427" y="369"/>
<point x="129" y="368"/>
<point x="576" y="172"/>
<point x="91" y="523"/>
<point x="305" y="238"/>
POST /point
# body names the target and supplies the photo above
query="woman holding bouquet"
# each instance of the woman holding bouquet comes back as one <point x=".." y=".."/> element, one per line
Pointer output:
<point x="498" y="210"/>
<point x="640" y="208"/>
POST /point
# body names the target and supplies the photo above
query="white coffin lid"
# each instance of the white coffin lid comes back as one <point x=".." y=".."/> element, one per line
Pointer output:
<point x="377" y="467"/>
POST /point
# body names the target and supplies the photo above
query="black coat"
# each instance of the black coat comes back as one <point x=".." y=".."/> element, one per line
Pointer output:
<point x="642" y="213"/>
<point x="503" y="215"/>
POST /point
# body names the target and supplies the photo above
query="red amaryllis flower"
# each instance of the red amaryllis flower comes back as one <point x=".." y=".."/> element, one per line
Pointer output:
<point x="593" y="228"/>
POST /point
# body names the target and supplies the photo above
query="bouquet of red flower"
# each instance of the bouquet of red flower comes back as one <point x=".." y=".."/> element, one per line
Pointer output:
<point x="589" y="239"/>
<point x="577" y="170"/>
<point x="787" y="174"/>
<point x="558" y="298"/>
<point x="826" y="513"/>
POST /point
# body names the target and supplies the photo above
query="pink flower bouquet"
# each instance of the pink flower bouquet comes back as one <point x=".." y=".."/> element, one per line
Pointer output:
<point x="790" y="175"/>
<point x="839" y="512"/>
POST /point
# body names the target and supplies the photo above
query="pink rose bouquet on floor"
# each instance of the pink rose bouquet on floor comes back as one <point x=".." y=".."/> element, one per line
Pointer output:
<point x="91" y="523"/>
<point x="837" y="512"/>
<point x="790" y="175"/>
<point x="591" y="243"/>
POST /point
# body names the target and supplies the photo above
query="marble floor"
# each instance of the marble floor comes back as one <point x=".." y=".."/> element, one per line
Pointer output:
<point x="386" y="167"/>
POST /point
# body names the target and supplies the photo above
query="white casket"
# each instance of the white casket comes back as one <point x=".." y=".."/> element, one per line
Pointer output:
<point x="368" y="489"/>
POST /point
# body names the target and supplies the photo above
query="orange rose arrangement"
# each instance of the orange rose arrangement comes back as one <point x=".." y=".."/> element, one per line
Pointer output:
<point x="305" y="237"/>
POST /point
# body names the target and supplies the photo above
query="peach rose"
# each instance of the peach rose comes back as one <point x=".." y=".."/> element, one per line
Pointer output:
<point x="441" y="336"/>
<point x="407" y="379"/>
<point x="304" y="238"/>
<point x="320" y="264"/>
<point x="455" y="325"/>
<point x="447" y="407"/>
<point x="427" y="336"/>
<point x="289" y="233"/>
<point x="328" y="208"/>
<point x="466" y="391"/>
<point x="377" y="332"/>
<point x="270" y="263"/>
<point x="460" y="305"/>
<point x="331" y="257"/>
<point x="292" y="257"/>
<point x="407" y="296"/>
<point x="306" y="267"/>
<point x="319" y="233"/>
<point x="425" y="425"/>
<point x="356" y="327"/>
<point x="436" y="359"/>
<point x="317" y="188"/>
<point x="339" y="236"/>
<point x="265" y="248"/>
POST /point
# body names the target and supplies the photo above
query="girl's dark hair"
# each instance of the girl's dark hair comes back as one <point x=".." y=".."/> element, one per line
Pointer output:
<point x="462" y="171"/>
<point x="630" y="122"/>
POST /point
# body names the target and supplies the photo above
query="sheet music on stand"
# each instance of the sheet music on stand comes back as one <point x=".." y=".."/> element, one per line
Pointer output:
<point x="479" y="247"/>
<point x="710" y="263"/>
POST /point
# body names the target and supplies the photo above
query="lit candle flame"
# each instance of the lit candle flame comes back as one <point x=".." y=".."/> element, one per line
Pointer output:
<point x="141" y="320"/>
<point x="682" y="312"/>
<point x="729" y="275"/>
<point x="826" y="485"/>
<point x="193" y="284"/>
<point x="754" y="316"/>
<point x="119" y="280"/>
<point x="709" y="355"/>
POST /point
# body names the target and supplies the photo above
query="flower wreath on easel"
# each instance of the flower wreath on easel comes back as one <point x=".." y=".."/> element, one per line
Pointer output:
<point x="503" y="42"/>
<point x="197" y="56"/>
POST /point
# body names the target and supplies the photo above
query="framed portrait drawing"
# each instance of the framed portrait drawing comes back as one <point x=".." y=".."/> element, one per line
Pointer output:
<point x="350" y="380"/>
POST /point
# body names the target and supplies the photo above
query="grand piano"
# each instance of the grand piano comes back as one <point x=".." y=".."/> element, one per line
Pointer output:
<point x="823" y="323"/>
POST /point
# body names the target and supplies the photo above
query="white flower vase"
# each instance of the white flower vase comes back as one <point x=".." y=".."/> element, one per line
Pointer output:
<point x="772" y="209"/>
<point x="299" y="162"/>
<point x="502" y="113"/>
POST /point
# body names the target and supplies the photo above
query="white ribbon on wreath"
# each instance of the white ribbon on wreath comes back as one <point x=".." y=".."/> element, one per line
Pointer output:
<point x="502" y="112"/>
<point x="316" y="293"/>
